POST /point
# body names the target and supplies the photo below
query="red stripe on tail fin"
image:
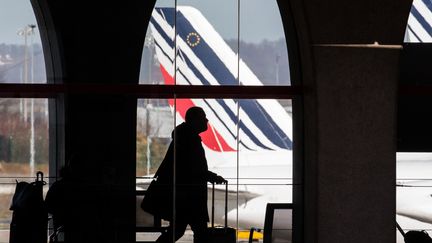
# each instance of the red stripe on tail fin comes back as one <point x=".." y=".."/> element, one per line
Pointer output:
<point x="211" y="138"/>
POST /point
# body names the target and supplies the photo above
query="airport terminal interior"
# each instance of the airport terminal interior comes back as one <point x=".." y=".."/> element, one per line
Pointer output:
<point x="318" y="117"/>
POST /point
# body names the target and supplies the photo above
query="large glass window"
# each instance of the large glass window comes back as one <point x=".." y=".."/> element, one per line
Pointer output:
<point x="217" y="43"/>
<point x="264" y="158"/>
<point x="24" y="122"/>
<point x="248" y="141"/>
<point x="262" y="46"/>
<point x="24" y="148"/>
<point x="155" y="122"/>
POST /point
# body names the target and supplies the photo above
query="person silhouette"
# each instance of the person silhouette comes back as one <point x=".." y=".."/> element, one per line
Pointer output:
<point x="56" y="199"/>
<point x="183" y="173"/>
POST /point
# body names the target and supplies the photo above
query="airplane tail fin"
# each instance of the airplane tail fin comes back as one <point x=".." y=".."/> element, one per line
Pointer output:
<point x="204" y="58"/>
<point x="419" y="27"/>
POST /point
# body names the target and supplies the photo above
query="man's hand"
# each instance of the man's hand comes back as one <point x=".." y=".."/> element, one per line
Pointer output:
<point x="219" y="180"/>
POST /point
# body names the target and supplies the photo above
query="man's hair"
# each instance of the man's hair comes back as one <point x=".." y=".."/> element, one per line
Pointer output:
<point x="193" y="113"/>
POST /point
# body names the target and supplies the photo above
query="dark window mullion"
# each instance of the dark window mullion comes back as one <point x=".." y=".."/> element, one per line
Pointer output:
<point x="150" y="91"/>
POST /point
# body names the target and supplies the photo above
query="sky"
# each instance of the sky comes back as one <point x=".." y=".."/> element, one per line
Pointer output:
<point x="15" y="15"/>
<point x="260" y="19"/>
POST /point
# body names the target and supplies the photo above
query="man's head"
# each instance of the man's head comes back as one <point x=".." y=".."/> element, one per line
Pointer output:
<point x="196" y="118"/>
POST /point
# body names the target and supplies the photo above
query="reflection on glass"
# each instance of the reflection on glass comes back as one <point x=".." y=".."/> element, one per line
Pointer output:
<point x="413" y="191"/>
<point x="263" y="50"/>
<point x="23" y="148"/>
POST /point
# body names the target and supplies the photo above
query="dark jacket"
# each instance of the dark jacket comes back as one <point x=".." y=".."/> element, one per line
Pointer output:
<point x="191" y="179"/>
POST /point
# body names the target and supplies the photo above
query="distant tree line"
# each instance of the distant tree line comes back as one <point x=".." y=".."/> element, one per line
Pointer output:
<point x="15" y="132"/>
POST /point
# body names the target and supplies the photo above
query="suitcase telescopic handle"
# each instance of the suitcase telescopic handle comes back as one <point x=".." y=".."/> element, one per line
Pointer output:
<point x="400" y="229"/>
<point x="39" y="178"/>
<point x="213" y="207"/>
<point x="226" y="204"/>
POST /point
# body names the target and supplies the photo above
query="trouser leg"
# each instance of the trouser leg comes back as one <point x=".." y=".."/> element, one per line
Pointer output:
<point x="200" y="231"/>
<point x="177" y="230"/>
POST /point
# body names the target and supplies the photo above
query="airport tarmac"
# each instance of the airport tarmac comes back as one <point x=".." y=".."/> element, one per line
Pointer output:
<point x="187" y="238"/>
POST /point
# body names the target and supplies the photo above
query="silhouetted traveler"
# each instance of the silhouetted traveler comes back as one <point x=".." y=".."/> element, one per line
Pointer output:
<point x="56" y="199"/>
<point x="190" y="179"/>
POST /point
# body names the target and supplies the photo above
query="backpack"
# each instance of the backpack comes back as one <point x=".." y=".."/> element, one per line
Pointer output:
<point x="416" y="236"/>
<point x="30" y="217"/>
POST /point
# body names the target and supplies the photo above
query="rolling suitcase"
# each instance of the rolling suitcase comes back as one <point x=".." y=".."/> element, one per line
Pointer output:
<point x="223" y="234"/>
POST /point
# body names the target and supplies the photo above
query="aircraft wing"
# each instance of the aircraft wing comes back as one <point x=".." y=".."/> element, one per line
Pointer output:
<point x="243" y="195"/>
<point x="414" y="200"/>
